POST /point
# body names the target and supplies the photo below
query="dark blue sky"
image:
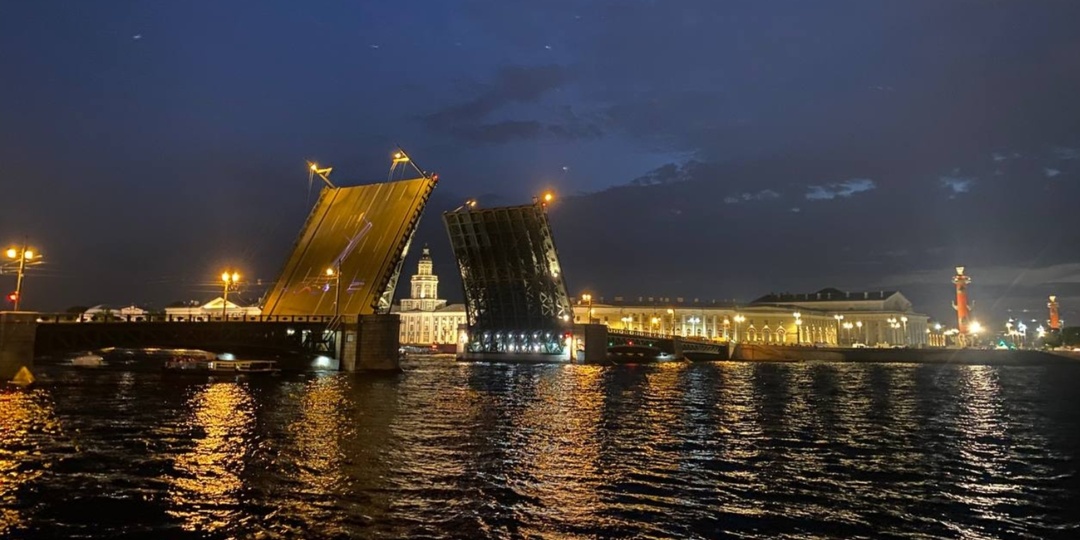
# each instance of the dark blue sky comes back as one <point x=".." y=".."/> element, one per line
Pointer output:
<point x="707" y="149"/>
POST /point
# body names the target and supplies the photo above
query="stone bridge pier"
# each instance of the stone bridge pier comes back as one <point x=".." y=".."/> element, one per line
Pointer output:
<point x="17" y="331"/>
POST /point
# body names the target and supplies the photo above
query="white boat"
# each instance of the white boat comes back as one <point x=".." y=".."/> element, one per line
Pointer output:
<point x="88" y="360"/>
<point x="202" y="365"/>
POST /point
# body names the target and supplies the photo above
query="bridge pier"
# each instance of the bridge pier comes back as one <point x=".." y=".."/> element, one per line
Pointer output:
<point x="17" y="331"/>
<point x="374" y="344"/>
<point x="595" y="337"/>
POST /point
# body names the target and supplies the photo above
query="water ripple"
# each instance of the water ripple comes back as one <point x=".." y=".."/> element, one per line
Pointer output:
<point x="449" y="450"/>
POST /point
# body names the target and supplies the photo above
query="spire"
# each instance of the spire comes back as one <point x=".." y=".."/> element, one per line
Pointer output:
<point x="425" y="254"/>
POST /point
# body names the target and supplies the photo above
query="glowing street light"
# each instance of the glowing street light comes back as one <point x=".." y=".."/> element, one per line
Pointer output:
<point x="798" y="327"/>
<point x="587" y="298"/>
<point x="335" y="274"/>
<point x="738" y="320"/>
<point x="693" y="325"/>
<point x="626" y="322"/>
<point x="672" y="313"/>
<point x="229" y="279"/>
<point x="22" y="256"/>
<point x="859" y="325"/>
<point x="838" y="319"/>
<point x="974" y="327"/>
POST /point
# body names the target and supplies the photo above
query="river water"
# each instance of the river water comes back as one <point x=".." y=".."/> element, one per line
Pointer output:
<point x="452" y="450"/>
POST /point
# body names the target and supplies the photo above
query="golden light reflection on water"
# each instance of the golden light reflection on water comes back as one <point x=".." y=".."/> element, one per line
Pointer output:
<point x="558" y="435"/>
<point x="317" y="431"/>
<point x="24" y="416"/>
<point x="205" y="492"/>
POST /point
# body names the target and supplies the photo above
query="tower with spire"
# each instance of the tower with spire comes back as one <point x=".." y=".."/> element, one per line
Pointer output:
<point x="425" y="287"/>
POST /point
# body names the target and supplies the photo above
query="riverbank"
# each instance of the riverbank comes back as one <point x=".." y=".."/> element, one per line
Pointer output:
<point x="773" y="353"/>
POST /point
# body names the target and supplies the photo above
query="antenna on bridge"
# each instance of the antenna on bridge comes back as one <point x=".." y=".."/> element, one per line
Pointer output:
<point x="402" y="158"/>
<point x="324" y="173"/>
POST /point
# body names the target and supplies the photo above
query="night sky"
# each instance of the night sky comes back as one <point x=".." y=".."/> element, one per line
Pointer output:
<point x="701" y="149"/>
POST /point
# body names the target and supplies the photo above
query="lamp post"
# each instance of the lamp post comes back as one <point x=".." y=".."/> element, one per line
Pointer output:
<point x="738" y="320"/>
<point x="655" y="322"/>
<point x="847" y="331"/>
<point x="672" y="313"/>
<point x="862" y="336"/>
<point x="727" y="323"/>
<point x="228" y="279"/>
<point x="838" y="319"/>
<point x="798" y="327"/>
<point x="903" y="321"/>
<point x="588" y="299"/>
<point x="22" y="255"/>
<point x="626" y="322"/>
<point x="335" y="274"/>
<point x="693" y="325"/>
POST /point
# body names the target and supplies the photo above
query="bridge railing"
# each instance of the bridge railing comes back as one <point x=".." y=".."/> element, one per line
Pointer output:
<point x="80" y="318"/>
<point x="655" y="335"/>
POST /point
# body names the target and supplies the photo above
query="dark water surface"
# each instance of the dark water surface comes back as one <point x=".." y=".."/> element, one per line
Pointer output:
<point x="448" y="450"/>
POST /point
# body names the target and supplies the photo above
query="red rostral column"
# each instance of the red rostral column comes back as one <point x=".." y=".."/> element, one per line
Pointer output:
<point x="963" y="309"/>
<point x="1055" y="320"/>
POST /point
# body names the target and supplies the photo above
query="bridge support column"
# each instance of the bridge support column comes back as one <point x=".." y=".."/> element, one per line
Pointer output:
<point x="676" y="348"/>
<point x="596" y="343"/>
<point x="17" y="331"/>
<point x="377" y="345"/>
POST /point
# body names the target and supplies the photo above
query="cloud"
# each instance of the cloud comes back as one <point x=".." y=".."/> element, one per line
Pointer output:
<point x="1063" y="152"/>
<point x="843" y="189"/>
<point x="762" y="195"/>
<point x="513" y="85"/>
<point x="666" y="174"/>
<point x="957" y="184"/>
<point x="1050" y="173"/>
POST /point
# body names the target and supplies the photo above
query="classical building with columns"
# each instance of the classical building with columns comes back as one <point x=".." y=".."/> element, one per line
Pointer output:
<point x="425" y="318"/>
<point x="826" y="317"/>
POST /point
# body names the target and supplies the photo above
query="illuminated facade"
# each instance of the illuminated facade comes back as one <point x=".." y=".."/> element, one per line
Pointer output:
<point x="425" y="318"/>
<point x="827" y="317"/>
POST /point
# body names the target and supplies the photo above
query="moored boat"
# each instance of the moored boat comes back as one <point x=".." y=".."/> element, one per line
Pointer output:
<point x="88" y="360"/>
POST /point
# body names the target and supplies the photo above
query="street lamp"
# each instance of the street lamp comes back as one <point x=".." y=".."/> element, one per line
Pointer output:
<point x="838" y="319"/>
<point x="626" y="322"/>
<point x="587" y="298"/>
<point x="693" y="325"/>
<point x="655" y="322"/>
<point x="903" y="321"/>
<point x="22" y="256"/>
<point x="862" y="336"/>
<point x="798" y="328"/>
<point x="228" y="279"/>
<point x="672" y="313"/>
<point x="848" y="326"/>
<point x="335" y="274"/>
<point x="738" y="320"/>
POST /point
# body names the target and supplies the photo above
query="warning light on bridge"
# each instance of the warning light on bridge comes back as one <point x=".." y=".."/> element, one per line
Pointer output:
<point x="13" y="297"/>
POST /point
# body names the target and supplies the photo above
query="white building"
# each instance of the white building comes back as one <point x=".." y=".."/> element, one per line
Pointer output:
<point x="829" y="317"/>
<point x="212" y="310"/>
<point x="425" y="318"/>
<point x="103" y="312"/>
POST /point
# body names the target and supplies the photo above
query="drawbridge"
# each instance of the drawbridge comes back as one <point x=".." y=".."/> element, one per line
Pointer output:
<point x="515" y="295"/>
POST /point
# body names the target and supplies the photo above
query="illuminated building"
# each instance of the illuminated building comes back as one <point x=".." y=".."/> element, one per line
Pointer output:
<point x="425" y="318"/>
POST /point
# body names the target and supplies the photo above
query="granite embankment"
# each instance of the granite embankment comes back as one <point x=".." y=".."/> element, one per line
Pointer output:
<point x="918" y="356"/>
